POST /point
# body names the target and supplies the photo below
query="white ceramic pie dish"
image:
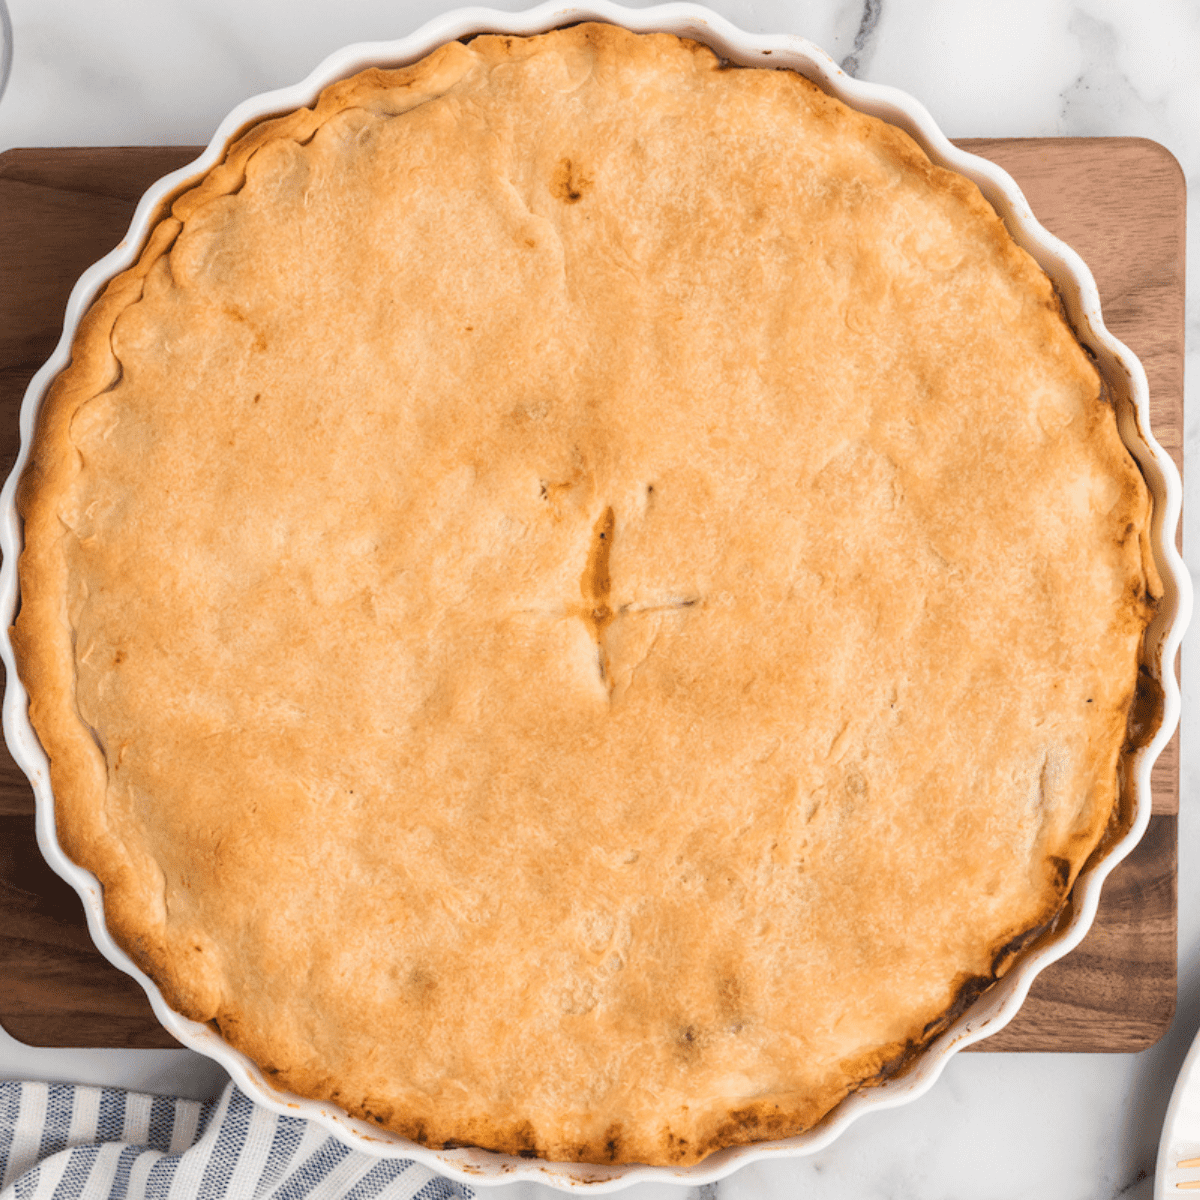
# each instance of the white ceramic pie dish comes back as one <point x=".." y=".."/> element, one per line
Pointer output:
<point x="1122" y="372"/>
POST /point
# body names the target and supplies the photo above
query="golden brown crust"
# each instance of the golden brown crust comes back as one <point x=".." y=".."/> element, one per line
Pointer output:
<point x="576" y="600"/>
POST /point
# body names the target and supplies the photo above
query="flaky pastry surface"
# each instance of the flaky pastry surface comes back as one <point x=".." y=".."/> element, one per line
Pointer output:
<point x="577" y="598"/>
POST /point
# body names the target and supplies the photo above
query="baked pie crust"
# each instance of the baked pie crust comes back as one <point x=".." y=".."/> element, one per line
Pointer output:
<point x="580" y="600"/>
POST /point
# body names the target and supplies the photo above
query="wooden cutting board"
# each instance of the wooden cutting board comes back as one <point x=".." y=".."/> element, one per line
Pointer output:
<point x="1118" y="201"/>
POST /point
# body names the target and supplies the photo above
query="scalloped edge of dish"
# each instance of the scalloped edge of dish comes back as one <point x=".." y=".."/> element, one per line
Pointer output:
<point x="1120" y="368"/>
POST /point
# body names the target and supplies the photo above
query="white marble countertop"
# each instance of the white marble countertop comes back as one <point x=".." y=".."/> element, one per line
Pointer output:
<point x="996" y="1126"/>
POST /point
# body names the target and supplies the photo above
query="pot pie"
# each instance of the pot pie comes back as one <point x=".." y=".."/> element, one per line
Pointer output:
<point x="581" y="601"/>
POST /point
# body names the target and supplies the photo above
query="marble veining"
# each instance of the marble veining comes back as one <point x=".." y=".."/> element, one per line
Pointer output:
<point x="864" y="38"/>
<point x="5" y="47"/>
<point x="995" y="1127"/>
<point x="1096" y="98"/>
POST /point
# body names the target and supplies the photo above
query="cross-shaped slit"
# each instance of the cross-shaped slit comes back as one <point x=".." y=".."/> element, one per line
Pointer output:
<point x="595" y="585"/>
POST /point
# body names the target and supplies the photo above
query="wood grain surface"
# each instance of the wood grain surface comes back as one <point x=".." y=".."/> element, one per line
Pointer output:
<point x="1118" y="201"/>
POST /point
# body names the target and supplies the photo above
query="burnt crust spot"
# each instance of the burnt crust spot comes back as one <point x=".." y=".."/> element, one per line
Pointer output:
<point x="612" y="1141"/>
<point x="689" y="1042"/>
<point x="523" y="1140"/>
<point x="569" y="183"/>
<point x="1146" y="711"/>
<point x="1062" y="869"/>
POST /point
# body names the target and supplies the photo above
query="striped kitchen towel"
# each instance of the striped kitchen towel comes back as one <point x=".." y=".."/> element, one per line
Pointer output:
<point x="59" y="1141"/>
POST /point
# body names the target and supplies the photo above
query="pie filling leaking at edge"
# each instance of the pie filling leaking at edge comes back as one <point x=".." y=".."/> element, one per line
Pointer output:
<point x="580" y="601"/>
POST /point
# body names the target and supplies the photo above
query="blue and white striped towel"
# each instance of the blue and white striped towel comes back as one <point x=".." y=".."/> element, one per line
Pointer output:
<point x="59" y="1141"/>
